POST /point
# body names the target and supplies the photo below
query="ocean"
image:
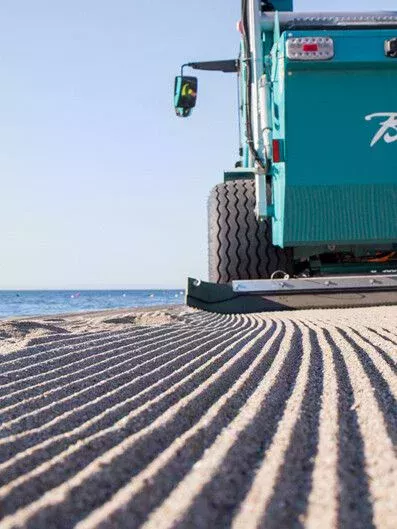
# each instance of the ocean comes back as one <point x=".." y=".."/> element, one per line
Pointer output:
<point x="42" y="302"/>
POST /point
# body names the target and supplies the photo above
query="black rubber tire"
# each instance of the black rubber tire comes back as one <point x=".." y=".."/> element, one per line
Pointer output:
<point x="240" y="247"/>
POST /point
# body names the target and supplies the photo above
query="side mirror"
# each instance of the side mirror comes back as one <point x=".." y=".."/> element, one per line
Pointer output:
<point x="185" y="95"/>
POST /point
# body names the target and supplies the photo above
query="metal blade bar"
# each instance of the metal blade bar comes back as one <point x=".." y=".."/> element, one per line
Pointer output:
<point x="317" y="284"/>
<point x="223" y="299"/>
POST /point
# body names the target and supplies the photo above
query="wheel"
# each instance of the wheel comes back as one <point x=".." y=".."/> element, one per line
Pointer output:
<point x="240" y="247"/>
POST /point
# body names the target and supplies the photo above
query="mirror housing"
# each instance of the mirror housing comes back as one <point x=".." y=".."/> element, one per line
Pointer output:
<point x="185" y="95"/>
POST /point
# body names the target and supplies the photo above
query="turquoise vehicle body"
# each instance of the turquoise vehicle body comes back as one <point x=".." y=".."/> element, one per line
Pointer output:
<point x="307" y="218"/>
<point x="335" y="183"/>
<point x="334" y="122"/>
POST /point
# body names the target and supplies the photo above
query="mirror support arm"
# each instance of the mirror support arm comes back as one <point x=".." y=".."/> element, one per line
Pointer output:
<point x="183" y="67"/>
<point x="229" y="66"/>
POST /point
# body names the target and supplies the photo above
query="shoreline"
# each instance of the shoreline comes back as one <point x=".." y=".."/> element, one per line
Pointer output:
<point x="152" y="308"/>
<point x="23" y="331"/>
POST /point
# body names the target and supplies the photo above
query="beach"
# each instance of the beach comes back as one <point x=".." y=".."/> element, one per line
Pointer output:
<point x="177" y="418"/>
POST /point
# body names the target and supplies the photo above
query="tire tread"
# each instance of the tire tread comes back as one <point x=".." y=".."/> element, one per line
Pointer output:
<point x="239" y="246"/>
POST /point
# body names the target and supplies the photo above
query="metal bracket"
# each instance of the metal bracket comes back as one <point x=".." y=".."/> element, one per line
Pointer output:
<point x="261" y="208"/>
<point x="239" y="174"/>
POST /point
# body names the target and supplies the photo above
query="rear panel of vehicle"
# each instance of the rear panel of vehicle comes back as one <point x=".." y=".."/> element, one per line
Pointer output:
<point x="336" y="121"/>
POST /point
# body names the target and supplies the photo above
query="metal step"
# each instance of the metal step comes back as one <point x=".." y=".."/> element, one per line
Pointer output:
<point x="292" y="294"/>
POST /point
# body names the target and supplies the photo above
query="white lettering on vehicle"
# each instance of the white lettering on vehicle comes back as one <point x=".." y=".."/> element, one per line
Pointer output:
<point x="388" y="127"/>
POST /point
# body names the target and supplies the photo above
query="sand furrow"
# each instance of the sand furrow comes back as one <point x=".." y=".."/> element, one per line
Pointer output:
<point x="322" y="507"/>
<point x="100" y="326"/>
<point x="390" y="333"/>
<point x="379" y="369"/>
<point x="101" y="377"/>
<point x="371" y="354"/>
<point x="59" y="343"/>
<point x="190" y="419"/>
<point x="383" y="333"/>
<point x="133" y="421"/>
<point x="179" y="415"/>
<point x="73" y="369"/>
<point x="82" y="357"/>
<point x="380" y="458"/>
<point x="34" y="451"/>
<point x="176" y="506"/>
<point x="41" y="415"/>
<point x="386" y="349"/>
<point x="129" y="383"/>
<point x="66" y="352"/>
<point x="134" y="501"/>
<point x="113" y="359"/>
<point x="264" y="486"/>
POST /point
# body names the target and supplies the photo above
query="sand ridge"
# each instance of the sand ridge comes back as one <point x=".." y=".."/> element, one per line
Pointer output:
<point x="178" y="418"/>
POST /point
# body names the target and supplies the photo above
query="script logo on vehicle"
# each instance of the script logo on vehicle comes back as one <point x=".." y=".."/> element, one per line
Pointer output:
<point x="388" y="127"/>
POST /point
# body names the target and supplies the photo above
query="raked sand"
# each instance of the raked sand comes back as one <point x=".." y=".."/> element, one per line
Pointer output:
<point x="176" y="418"/>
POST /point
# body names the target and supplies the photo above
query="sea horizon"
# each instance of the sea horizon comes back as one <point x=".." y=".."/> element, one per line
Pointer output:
<point x="44" y="302"/>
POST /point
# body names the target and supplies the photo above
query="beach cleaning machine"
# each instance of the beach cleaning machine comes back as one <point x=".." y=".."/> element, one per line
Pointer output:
<point x="308" y="215"/>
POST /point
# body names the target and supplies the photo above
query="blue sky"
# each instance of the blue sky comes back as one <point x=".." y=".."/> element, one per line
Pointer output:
<point x="101" y="185"/>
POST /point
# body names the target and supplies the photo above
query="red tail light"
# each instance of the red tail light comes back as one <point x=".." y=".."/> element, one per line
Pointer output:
<point x="310" y="47"/>
<point x="276" y="151"/>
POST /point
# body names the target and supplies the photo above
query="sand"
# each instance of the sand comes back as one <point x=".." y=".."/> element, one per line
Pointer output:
<point x="178" y="418"/>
